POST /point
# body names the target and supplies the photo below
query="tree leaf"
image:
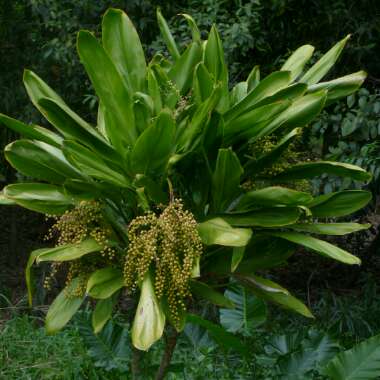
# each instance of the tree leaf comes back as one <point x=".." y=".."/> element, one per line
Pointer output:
<point x="249" y="312"/>
<point x="362" y="362"/>
<point x="320" y="246"/>
<point x="341" y="203"/>
<point x="324" y="64"/>
<point x="40" y="197"/>
<point x="218" y="231"/>
<point x="225" y="179"/>
<point x="314" y="169"/>
<point x="206" y="292"/>
<point x="122" y="43"/>
<point x="63" y="308"/>
<point x="104" y="282"/>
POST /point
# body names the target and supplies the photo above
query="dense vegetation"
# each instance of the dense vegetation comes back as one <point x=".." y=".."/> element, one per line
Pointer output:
<point x="346" y="131"/>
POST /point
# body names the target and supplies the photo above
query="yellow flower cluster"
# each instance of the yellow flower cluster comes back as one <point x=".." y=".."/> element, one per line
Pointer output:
<point x="169" y="245"/>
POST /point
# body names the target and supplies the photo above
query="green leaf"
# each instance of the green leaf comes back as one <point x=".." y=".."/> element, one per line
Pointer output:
<point x="196" y="34"/>
<point x="167" y="36"/>
<point x="102" y="313"/>
<point x="40" y="197"/>
<point x="237" y="257"/>
<point x="153" y="148"/>
<point x="92" y="164"/>
<point x="362" y="362"/>
<point x="111" y="89"/>
<point x="40" y="160"/>
<point x="204" y="291"/>
<point x="320" y="246"/>
<point x="154" y="90"/>
<point x="267" y="217"/>
<point x="217" y="333"/>
<point x="103" y="283"/>
<point x="317" y="168"/>
<point x="34" y="132"/>
<point x="75" y="128"/>
<point x="272" y="292"/>
<point x="324" y="64"/>
<point x="122" y="43"/>
<point x="267" y="87"/>
<point x="202" y="83"/>
<point x="296" y="62"/>
<point x="68" y="252"/>
<point x="341" y="203"/>
<point x="249" y="312"/>
<point x="225" y="179"/>
<point x="218" y="231"/>
<point x="330" y="228"/>
<point x="182" y="71"/>
<point x="253" y="78"/>
<point x="63" y="308"/>
<point x="238" y="93"/>
<point x="29" y="275"/>
<point x="273" y="196"/>
<point x="340" y="87"/>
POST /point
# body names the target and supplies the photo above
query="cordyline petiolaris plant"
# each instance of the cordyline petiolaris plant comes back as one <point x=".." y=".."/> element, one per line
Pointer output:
<point x="179" y="188"/>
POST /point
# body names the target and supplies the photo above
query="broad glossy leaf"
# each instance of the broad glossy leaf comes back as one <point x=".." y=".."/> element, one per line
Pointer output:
<point x="111" y="89"/>
<point x="40" y="197"/>
<point x="218" y="231"/>
<point x="341" y="203"/>
<point x="75" y="128"/>
<point x="167" y="35"/>
<point x="296" y="62"/>
<point x="266" y="217"/>
<point x="320" y="246"/>
<point x="253" y="78"/>
<point x="206" y="292"/>
<point x="225" y="179"/>
<point x="340" y="87"/>
<point x="267" y="87"/>
<point x="4" y="201"/>
<point x="148" y="325"/>
<point x="266" y="290"/>
<point x="324" y="64"/>
<point x="249" y="312"/>
<point x="237" y="257"/>
<point x="154" y="90"/>
<point x="122" y="43"/>
<point x="219" y="334"/>
<point x="317" y="168"/>
<point x="181" y="72"/>
<point x="40" y="160"/>
<point x="273" y="196"/>
<point x="92" y="164"/>
<point x="202" y="83"/>
<point x="34" y="132"/>
<point x="153" y="148"/>
<point x="102" y="313"/>
<point x="63" y="308"/>
<point x="362" y="362"/>
<point x="103" y="283"/>
<point x="238" y="93"/>
<point x="330" y="228"/>
<point x="68" y="252"/>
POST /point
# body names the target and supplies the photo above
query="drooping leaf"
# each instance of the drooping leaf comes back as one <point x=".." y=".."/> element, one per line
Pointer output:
<point x="320" y="246"/>
<point x="249" y="312"/>
<point x="122" y="43"/>
<point x="362" y="362"/>
<point x="219" y="334"/>
<point x="196" y="34"/>
<point x="225" y="179"/>
<point x="63" y="308"/>
<point x="104" y="282"/>
<point x="206" y="292"/>
<point x="330" y="228"/>
<point x="324" y="64"/>
<point x="314" y="169"/>
<point x="40" y="197"/>
<point x="341" y="203"/>
<point x="218" y="231"/>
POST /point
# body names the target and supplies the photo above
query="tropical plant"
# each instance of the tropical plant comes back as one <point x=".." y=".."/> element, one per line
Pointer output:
<point x="176" y="191"/>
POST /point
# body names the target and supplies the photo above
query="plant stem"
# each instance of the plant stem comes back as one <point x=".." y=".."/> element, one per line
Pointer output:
<point x="171" y="342"/>
<point x="135" y="364"/>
